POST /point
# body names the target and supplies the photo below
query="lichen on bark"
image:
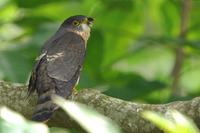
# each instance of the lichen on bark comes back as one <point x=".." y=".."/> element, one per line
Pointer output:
<point x="126" y="114"/>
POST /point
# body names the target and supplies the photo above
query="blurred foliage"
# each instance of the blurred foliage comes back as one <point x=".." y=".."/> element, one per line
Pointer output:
<point x="130" y="53"/>
<point x="174" y="122"/>
<point x="88" y="119"/>
<point x="12" y="122"/>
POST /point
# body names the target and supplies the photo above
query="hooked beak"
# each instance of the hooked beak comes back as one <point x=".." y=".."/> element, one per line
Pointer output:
<point x="89" y="21"/>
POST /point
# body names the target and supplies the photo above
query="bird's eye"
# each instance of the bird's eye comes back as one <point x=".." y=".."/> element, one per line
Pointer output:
<point x="75" y="23"/>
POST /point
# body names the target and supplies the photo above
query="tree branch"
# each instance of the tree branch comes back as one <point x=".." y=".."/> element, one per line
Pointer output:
<point x="184" y="15"/>
<point x="126" y="114"/>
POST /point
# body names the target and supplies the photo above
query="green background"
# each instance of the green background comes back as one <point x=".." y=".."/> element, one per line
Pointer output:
<point x="131" y="50"/>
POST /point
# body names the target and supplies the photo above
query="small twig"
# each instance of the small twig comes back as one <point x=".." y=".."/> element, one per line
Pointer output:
<point x="186" y="5"/>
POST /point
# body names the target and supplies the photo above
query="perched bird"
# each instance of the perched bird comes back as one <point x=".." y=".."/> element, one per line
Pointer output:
<point x="57" y="69"/>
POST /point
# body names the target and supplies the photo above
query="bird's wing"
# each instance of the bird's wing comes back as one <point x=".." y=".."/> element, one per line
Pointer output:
<point x="65" y="57"/>
<point x="33" y="78"/>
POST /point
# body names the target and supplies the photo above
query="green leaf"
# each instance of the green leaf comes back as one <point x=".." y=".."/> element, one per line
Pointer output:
<point x="12" y="122"/>
<point x="15" y="63"/>
<point x="58" y="130"/>
<point x="175" y="122"/>
<point x="89" y="119"/>
<point x="133" y="86"/>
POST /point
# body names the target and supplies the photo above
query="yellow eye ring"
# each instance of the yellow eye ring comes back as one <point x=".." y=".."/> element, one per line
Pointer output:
<point x="75" y="23"/>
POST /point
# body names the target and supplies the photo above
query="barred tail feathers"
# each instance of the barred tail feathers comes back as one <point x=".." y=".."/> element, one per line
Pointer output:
<point x="44" y="108"/>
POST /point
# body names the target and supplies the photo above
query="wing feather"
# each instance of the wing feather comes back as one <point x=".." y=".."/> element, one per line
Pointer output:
<point x="33" y="78"/>
<point x="65" y="57"/>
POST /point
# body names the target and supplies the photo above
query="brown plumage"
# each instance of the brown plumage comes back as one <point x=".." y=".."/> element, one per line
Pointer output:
<point x="58" y="67"/>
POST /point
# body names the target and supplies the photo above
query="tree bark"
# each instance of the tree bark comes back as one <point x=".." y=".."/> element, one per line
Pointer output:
<point x="125" y="114"/>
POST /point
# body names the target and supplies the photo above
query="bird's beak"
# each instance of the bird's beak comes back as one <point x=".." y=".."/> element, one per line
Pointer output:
<point x="89" y="21"/>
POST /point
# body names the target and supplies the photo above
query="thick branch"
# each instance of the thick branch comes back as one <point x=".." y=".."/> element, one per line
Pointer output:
<point x="126" y="114"/>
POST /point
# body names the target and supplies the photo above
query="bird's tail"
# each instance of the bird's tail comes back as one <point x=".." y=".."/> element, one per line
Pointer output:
<point x="44" y="108"/>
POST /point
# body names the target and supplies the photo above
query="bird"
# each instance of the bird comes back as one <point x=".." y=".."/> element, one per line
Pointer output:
<point x="57" y="69"/>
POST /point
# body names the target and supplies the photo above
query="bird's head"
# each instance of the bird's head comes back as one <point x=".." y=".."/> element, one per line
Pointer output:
<point x="79" y="24"/>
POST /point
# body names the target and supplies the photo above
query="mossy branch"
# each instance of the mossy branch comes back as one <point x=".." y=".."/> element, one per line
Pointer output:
<point x="126" y="114"/>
